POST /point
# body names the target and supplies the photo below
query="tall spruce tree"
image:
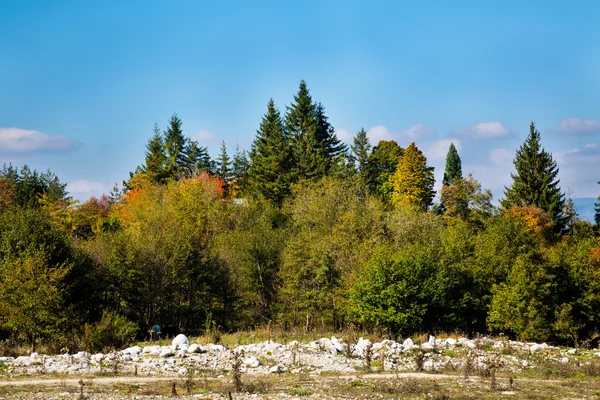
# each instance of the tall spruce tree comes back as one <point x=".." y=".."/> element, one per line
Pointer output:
<point x="315" y="147"/>
<point x="156" y="158"/>
<point x="359" y="155"/>
<point x="334" y="148"/>
<point x="223" y="165"/>
<point x="239" y="170"/>
<point x="196" y="159"/>
<point x="536" y="180"/>
<point x="453" y="166"/>
<point x="271" y="158"/>
<point x="307" y="147"/>
<point x="174" y="146"/>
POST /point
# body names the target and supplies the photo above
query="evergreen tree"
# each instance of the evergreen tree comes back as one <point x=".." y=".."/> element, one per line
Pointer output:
<point x="334" y="149"/>
<point x="536" y="180"/>
<point x="413" y="181"/>
<point x="223" y="165"/>
<point x="240" y="168"/>
<point x="174" y="142"/>
<point x="453" y="166"/>
<point x="359" y="154"/>
<point x="307" y="147"/>
<point x="271" y="158"/>
<point x="156" y="158"/>
<point x="196" y="159"/>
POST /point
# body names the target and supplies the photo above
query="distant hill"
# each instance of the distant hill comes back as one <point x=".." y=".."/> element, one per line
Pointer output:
<point x="585" y="208"/>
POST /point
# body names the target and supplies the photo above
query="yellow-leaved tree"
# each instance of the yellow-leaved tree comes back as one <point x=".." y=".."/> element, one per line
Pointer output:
<point x="413" y="181"/>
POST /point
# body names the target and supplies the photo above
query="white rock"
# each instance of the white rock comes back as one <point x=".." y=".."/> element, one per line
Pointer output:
<point x="182" y="371"/>
<point x="275" y="369"/>
<point x="572" y="351"/>
<point x="564" y="360"/>
<point x="427" y="346"/>
<point x="134" y="351"/>
<point x="151" y="350"/>
<point x="450" y="341"/>
<point x="126" y="357"/>
<point x="469" y="343"/>
<point x="166" y="352"/>
<point x="251" y="362"/>
<point x="83" y="355"/>
<point x="196" y="348"/>
<point x="215" y="347"/>
<point x="23" y="361"/>
<point x="179" y="340"/>
<point x="431" y="340"/>
<point x="97" y="357"/>
<point x="181" y="354"/>
<point x="408" y="343"/>
<point x="535" y="348"/>
<point x="34" y="356"/>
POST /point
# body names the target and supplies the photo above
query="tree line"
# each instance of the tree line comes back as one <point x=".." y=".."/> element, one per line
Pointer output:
<point x="302" y="230"/>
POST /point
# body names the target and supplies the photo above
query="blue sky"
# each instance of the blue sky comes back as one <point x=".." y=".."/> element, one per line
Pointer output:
<point x="82" y="83"/>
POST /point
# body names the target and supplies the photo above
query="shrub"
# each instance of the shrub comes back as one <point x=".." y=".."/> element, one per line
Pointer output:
<point x="113" y="330"/>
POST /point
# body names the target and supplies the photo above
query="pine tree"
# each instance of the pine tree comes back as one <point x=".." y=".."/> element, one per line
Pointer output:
<point x="359" y="154"/>
<point x="240" y="168"/>
<point x="271" y="158"/>
<point x="223" y="165"/>
<point x="195" y="159"/>
<point x="174" y="146"/>
<point x="453" y="166"/>
<point x="156" y="158"/>
<point x="413" y="181"/>
<point x="333" y="148"/>
<point x="536" y="180"/>
<point x="307" y="147"/>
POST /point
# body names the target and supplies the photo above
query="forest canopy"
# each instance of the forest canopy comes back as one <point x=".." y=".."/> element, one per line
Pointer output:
<point x="300" y="230"/>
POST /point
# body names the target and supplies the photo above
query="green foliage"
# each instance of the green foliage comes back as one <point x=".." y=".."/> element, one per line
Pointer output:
<point x="381" y="164"/>
<point x="223" y="165"/>
<point x="393" y="293"/>
<point x="333" y="229"/>
<point x="464" y="198"/>
<point x="271" y="158"/>
<point x="359" y="156"/>
<point x="315" y="146"/>
<point x="536" y="180"/>
<point x="453" y="166"/>
<point x="27" y="185"/>
<point x="112" y="331"/>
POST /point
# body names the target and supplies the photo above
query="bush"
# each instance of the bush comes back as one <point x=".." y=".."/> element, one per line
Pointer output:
<point x="113" y="330"/>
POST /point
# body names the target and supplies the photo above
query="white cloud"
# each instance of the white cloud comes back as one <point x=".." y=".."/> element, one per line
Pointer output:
<point x="377" y="133"/>
<point x="590" y="146"/>
<point x="86" y="187"/>
<point x="484" y="130"/>
<point x="578" y="126"/>
<point x="419" y="131"/>
<point x="344" y="135"/>
<point x="575" y="150"/>
<point x="439" y="149"/>
<point x="579" y="171"/>
<point x="17" y="140"/>
<point x="500" y="156"/>
<point x="203" y="136"/>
